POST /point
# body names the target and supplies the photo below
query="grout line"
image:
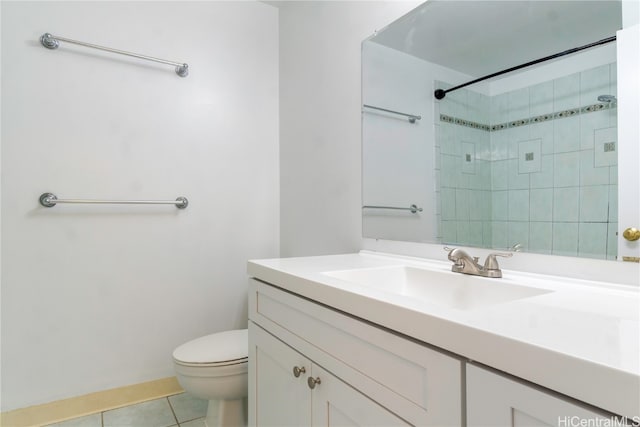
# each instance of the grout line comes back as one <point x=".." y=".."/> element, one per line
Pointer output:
<point x="173" y="411"/>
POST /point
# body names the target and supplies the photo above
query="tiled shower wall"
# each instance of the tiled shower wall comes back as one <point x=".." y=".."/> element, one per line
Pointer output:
<point x="535" y="166"/>
<point x="464" y="154"/>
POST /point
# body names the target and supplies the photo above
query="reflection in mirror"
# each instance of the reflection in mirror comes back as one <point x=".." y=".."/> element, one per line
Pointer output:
<point x="527" y="158"/>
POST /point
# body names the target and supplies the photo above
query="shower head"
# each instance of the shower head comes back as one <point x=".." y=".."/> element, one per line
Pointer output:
<point x="607" y="98"/>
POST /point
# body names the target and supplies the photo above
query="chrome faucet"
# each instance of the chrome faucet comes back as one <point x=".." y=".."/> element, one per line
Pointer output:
<point x="464" y="263"/>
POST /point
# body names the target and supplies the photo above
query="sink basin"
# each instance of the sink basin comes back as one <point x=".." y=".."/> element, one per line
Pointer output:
<point x="453" y="290"/>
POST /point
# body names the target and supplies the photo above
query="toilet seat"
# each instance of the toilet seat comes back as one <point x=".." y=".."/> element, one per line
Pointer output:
<point x="216" y="350"/>
<point x="239" y="362"/>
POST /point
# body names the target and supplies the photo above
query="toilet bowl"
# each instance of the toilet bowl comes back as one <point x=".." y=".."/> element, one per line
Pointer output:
<point x="214" y="368"/>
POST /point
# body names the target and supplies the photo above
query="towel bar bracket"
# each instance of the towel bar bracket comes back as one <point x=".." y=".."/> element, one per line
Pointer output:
<point x="182" y="202"/>
<point x="49" y="42"/>
<point x="48" y="200"/>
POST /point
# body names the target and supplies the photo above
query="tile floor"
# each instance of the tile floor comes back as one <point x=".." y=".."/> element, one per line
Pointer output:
<point x="180" y="410"/>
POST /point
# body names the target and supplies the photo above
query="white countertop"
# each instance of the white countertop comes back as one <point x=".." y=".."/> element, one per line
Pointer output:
<point x="581" y="340"/>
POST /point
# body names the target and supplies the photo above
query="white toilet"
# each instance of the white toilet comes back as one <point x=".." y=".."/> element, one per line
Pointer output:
<point x="214" y="367"/>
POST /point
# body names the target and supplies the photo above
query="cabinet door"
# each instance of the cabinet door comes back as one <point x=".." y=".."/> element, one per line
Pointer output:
<point x="336" y="404"/>
<point x="495" y="401"/>
<point x="277" y="398"/>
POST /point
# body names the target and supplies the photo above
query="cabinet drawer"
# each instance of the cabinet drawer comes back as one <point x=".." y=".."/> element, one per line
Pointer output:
<point x="409" y="378"/>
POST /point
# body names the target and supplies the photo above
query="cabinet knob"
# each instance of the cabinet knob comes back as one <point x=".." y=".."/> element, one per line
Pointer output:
<point x="297" y="371"/>
<point x="631" y="234"/>
<point x="313" y="381"/>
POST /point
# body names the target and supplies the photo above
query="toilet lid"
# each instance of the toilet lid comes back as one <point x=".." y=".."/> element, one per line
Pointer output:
<point x="228" y="346"/>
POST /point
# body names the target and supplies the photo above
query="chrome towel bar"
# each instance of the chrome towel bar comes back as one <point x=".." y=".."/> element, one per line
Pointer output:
<point x="52" y="42"/>
<point x="49" y="200"/>
<point x="411" y="117"/>
<point x="412" y="208"/>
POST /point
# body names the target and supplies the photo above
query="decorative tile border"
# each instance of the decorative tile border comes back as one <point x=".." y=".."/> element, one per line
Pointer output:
<point x="530" y="120"/>
<point x="462" y="122"/>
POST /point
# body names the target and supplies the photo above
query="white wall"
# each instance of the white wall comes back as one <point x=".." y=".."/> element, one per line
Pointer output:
<point x="320" y="120"/>
<point x="95" y="297"/>
<point x="398" y="156"/>
<point x="630" y="13"/>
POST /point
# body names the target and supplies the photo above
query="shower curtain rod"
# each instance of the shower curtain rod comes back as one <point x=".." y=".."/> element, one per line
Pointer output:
<point x="440" y="93"/>
<point x="52" y="42"/>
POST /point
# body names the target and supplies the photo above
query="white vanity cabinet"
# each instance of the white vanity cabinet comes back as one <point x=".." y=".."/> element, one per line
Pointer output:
<point x="367" y="375"/>
<point x="496" y="400"/>
<point x="363" y="321"/>
<point x="308" y="396"/>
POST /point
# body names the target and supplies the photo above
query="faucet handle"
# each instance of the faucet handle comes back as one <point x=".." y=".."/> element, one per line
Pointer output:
<point x="516" y="248"/>
<point x="491" y="263"/>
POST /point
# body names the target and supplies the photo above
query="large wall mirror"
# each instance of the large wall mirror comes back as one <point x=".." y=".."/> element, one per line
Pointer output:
<point x="525" y="160"/>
